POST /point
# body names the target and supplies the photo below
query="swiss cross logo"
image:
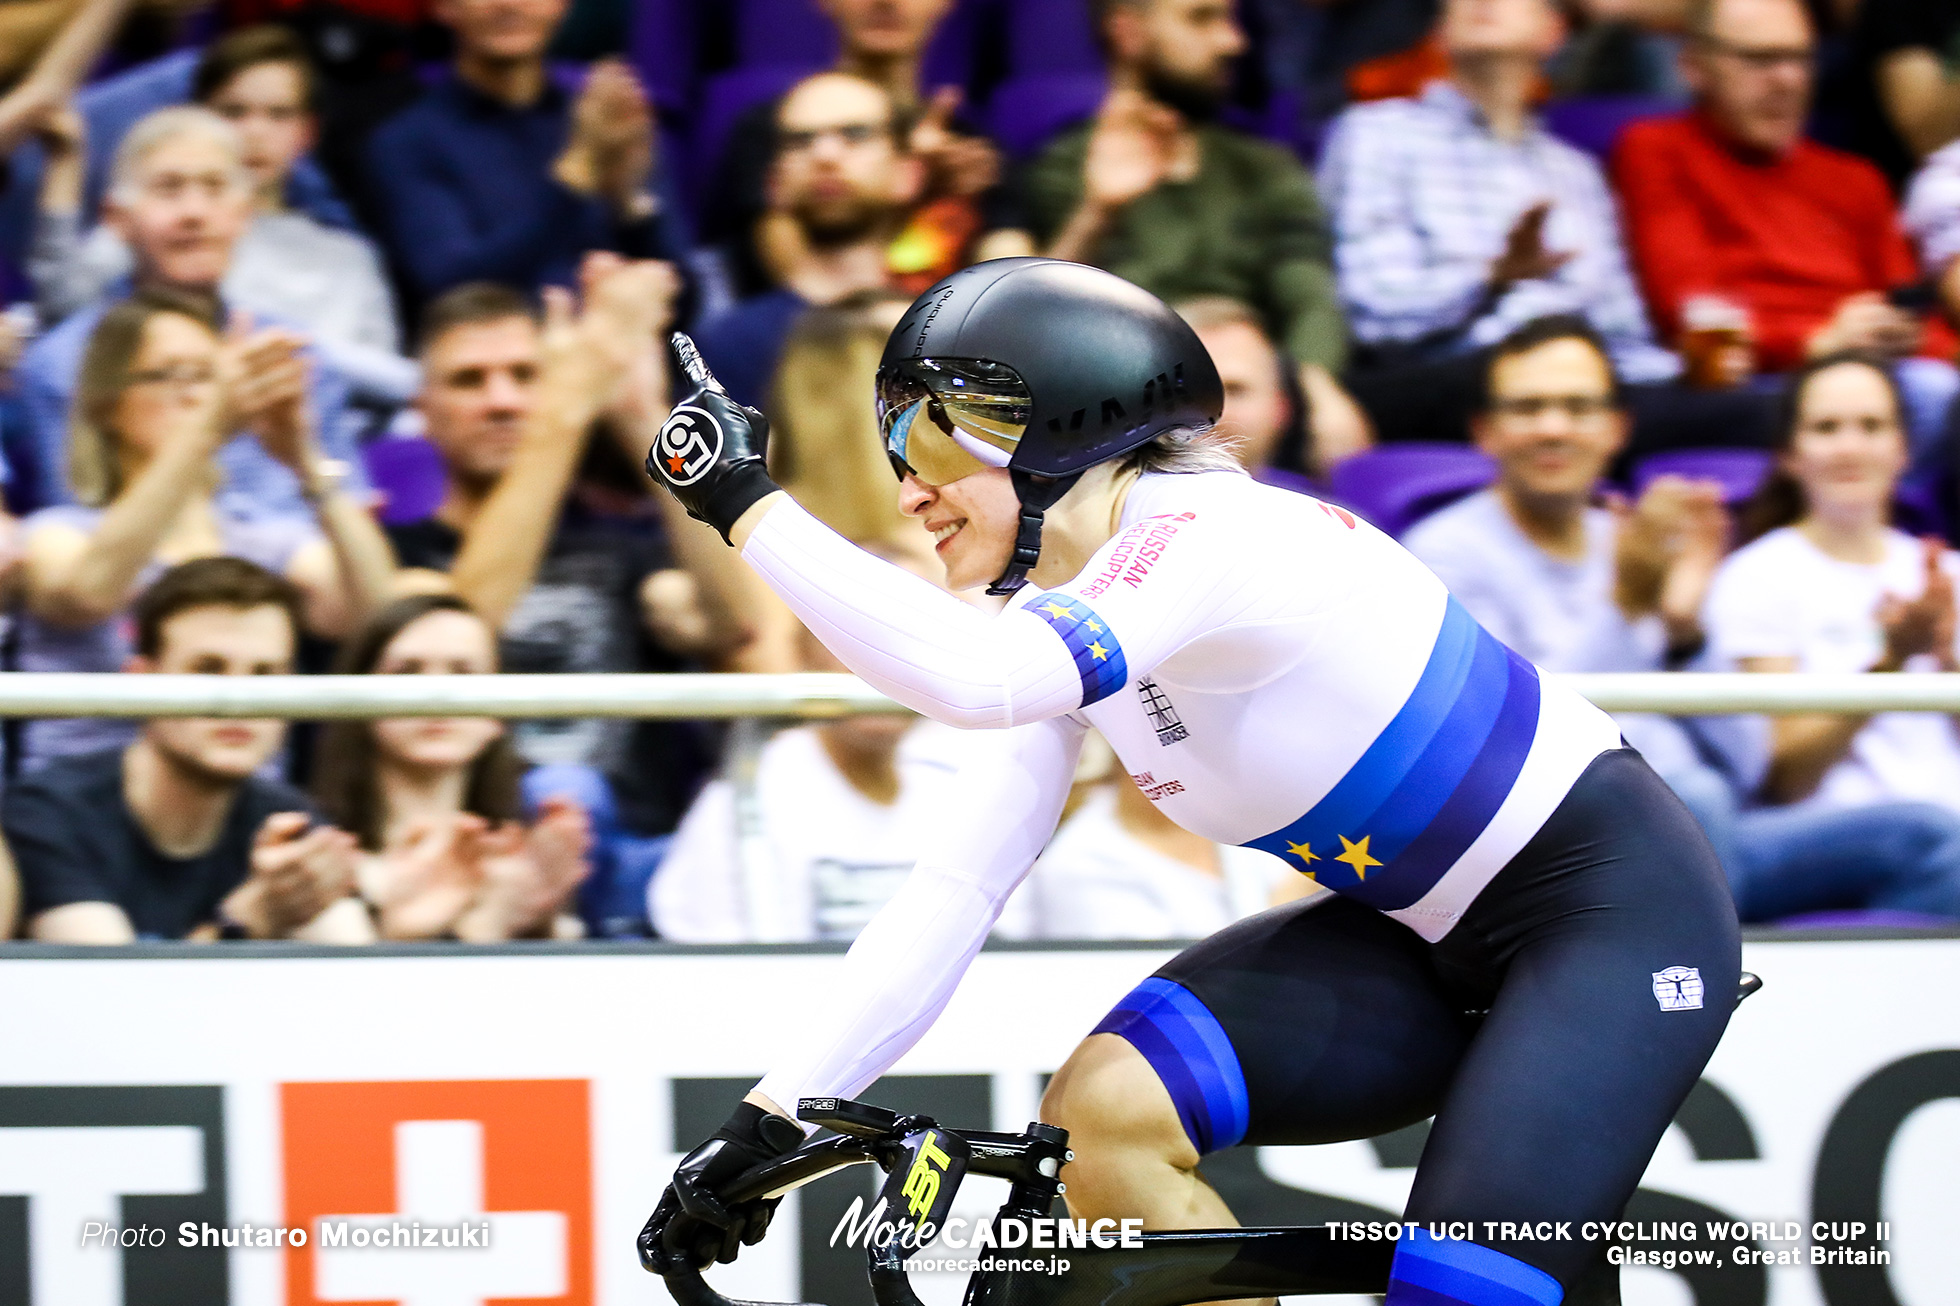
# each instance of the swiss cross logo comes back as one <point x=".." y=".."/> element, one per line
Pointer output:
<point x="440" y="1193"/>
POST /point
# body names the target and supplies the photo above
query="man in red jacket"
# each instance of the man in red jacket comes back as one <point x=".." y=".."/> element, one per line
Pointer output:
<point x="1730" y="201"/>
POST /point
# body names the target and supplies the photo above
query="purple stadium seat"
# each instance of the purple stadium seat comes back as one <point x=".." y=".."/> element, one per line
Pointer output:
<point x="661" y="47"/>
<point x="1916" y="509"/>
<point x="797" y="34"/>
<point x="792" y="32"/>
<point x="1593" y="123"/>
<point x="1739" y="471"/>
<point x="1051" y="36"/>
<point x="949" y="58"/>
<point x="1396" y="485"/>
<point x="408" y="472"/>
<point x="1026" y="111"/>
<point x="726" y="98"/>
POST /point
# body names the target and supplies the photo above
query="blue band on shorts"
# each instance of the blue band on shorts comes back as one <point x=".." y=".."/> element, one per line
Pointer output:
<point x="1432" y="1271"/>
<point x="1187" y="1047"/>
<point x="1098" y="657"/>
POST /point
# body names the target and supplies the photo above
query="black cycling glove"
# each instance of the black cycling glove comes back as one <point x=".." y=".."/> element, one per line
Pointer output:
<point x="691" y="1224"/>
<point x="710" y="451"/>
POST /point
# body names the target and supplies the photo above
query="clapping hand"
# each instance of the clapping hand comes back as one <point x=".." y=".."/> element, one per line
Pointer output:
<point x="605" y="350"/>
<point x="1867" y="321"/>
<point x="1667" y="550"/>
<point x="955" y="164"/>
<point x="265" y="376"/>
<point x="1924" y="624"/>
<point x="529" y="876"/>
<point x="610" y="155"/>
<point x="429" y="877"/>
<point x="1525" y="257"/>
<point x="296" y="873"/>
<point x="1131" y="150"/>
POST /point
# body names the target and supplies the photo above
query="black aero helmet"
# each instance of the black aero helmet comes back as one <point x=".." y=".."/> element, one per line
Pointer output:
<point x="1041" y="366"/>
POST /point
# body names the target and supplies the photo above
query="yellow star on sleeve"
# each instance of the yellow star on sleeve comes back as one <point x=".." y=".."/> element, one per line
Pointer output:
<point x="1304" y="851"/>
<point x="1356" y="855"/>
<point x="1056" y="610"/>
<point x="1100" y="652"/>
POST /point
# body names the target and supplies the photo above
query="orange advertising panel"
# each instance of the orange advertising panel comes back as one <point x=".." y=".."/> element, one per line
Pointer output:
<point x="430" y="1193"/>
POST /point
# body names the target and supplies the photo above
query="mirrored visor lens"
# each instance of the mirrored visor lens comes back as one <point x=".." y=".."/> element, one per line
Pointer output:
<point x="945" y="421"/>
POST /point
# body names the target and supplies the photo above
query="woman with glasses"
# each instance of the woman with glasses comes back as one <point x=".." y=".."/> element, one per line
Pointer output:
<point x="156" y="397"/>
<point x="1528" y="935"/>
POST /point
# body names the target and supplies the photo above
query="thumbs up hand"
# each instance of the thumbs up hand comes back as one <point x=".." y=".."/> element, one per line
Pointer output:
<point x="710" y="450"/>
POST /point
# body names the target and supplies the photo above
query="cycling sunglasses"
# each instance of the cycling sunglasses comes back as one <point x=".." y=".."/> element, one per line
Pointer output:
<point x="944" y="419"/>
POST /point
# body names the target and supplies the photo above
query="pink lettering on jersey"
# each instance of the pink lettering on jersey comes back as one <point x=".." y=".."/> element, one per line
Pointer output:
<point x="1154" y="789"/>
<point x="1136" y="551"/>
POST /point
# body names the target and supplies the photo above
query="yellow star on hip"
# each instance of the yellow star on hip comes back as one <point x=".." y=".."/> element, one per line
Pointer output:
<point x="1099" y="651"/>
<point x="1056" y="610"/>
<point x="1356" y="855"/>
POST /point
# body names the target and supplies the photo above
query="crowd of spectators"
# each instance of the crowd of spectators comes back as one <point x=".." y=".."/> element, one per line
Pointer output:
<point x="335" y="336"/>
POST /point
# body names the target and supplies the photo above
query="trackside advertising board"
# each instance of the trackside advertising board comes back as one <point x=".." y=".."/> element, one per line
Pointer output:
<point x="258" y="1128"/>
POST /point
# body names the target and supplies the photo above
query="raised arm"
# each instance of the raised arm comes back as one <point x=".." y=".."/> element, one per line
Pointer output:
<point x="61" y="67"/>
<point x="913" y="640"/>
<point x="354" y="572"/>
<point x="905" y="635"/>
<point x="585" y="362"/>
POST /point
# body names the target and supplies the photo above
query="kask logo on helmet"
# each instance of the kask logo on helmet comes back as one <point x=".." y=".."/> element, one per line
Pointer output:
<point x="690" y="442"/>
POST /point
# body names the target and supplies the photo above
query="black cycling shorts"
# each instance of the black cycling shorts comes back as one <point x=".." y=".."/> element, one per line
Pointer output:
<point x="1553" y="1033"/>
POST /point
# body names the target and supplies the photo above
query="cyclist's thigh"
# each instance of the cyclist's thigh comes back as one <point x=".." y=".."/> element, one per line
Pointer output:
<point x="1622" y="978"/>
<point x="1314" y="1022"/>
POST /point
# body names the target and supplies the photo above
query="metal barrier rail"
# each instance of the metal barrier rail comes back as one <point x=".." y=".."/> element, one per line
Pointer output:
<point x="814" y="695"/>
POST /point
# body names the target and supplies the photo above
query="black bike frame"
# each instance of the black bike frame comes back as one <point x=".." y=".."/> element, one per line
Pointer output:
<point x="1162" y="1269"/>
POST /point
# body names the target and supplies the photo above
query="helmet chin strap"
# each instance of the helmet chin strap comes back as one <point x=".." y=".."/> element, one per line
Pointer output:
<point x="1037" y="494"/>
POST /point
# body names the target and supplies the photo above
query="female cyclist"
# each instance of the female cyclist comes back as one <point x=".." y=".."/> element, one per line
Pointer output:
<point x="1277" y="674"/>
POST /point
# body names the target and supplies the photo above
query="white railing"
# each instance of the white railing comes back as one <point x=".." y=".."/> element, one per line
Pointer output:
<point x="813" y="695"/>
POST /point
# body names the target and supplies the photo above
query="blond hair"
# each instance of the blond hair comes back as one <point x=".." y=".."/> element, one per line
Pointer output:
<point x="1185" y="450"/>
<point x="826" y="450"/>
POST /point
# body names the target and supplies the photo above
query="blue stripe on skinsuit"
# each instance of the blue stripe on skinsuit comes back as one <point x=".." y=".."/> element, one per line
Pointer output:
<point x="1482" y="792"/>
<point x="1190" y="1053"/>
<point x="1445" y="791"/>
<point x="1432" y="1271"/>
<point x="1098" y="656"/>
<point x="1360" y="793"/>
<point x="1434" y="775"/>
<point x="1368" y="783"/>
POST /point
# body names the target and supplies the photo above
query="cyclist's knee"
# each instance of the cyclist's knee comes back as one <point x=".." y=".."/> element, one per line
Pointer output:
<point x="1118" y="1113"/>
